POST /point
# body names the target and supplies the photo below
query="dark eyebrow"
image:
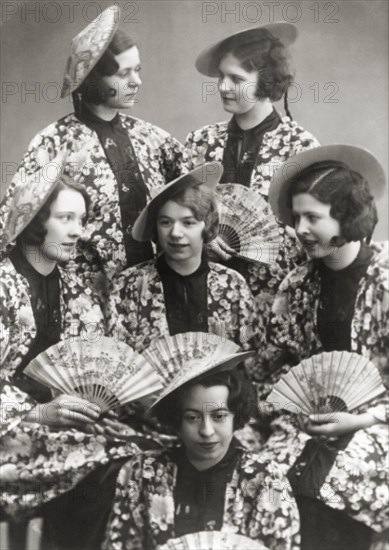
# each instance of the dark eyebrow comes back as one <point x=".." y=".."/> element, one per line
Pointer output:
<point x="211" y="411"/>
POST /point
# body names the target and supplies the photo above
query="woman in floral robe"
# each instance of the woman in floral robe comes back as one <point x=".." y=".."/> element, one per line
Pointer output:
<point x="253" y="71"/>
<point x="210" y="482"/>
<point x="125" y="160"/>
<point x="337" y="300"/>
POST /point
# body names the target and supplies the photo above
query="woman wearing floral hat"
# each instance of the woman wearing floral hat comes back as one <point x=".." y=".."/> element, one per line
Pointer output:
<point x="127" y="160"/>
<point x="48" y="444"/>
<point x="181" y="291"/>
<point x="209" y="482"/>
<point x="253" y="70"/>
<point x="337" y="300"/>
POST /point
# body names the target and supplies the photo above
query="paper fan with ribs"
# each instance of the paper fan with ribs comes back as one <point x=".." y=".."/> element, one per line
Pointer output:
<point x="247" y="224"/>
<point x="106" y="372"/>
<point x="213" y="540"/>
<point x="328" y="382"/>
<point x="183" y="357"/>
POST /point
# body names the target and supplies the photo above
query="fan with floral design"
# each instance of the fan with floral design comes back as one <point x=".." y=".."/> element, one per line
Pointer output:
<point x="247" y="224"/>
<point x="183" y="357"/>
<point x="107" y="373"/>
<point x="328" y="382"/>
<point x="213" y="540"/>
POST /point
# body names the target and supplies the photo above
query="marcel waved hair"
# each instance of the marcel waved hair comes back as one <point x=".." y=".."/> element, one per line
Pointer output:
<point x="34" y="234"/>
<point x="346" y="191"/>
<point x="241" y="399"/>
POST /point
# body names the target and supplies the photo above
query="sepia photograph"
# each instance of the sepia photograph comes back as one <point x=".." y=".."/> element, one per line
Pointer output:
<point x="194" y="275"/>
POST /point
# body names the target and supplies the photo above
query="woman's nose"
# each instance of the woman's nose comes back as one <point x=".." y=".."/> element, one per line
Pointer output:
<point x="301" y="227"/>
<point x="134" y="80"/>
<point x="206" y="428"/>
<point x="225" y="84"/>
<point x="75" y="228"/>
<point x="176" y="230"/>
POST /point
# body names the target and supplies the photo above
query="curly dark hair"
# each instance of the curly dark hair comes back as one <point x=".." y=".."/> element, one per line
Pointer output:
<point x="92" y="90"/>
<point x="270" y="58"/>
<point x="34" y="234"/>
<point x="346" y="191"/>
<point x="201" y="200"/>
<point x="241" y="399"/>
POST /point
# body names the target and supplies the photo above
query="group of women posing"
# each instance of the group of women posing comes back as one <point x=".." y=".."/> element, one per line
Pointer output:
<point x="110" y="227"/>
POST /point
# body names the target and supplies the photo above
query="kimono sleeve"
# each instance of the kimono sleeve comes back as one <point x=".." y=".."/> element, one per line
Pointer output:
<point x="121" y="310"/>
<point x="173" y="158"/>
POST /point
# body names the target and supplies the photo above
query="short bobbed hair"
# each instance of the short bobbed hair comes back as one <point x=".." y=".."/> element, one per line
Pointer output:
<point x="271" y="59"/>
<point x="241" y="399"/>
<point x="201" y="200"/>
<point x="346" y="191"/>
<point x="34" y="234"/>
<point x="93" y="90"/>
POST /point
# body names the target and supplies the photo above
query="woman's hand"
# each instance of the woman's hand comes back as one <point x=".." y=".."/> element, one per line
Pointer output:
<point x="65" y="411"/>
<point x="340" y="423"/>
<point x="218" y="249"/>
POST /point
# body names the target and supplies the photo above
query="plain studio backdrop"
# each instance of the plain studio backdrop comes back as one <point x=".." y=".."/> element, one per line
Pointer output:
<point x="340" y="92"/>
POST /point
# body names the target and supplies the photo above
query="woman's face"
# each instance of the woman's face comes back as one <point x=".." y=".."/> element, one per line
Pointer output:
<point x="180" y="234"/>
<point x="126" y="81"/>
<point x="314" y="225"/>
<point x="64" y="226"/>
<point x="237" y="87"/>
<point x="207" y="425"/>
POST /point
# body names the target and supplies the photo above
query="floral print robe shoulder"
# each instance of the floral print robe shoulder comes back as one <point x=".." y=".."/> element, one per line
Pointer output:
<point x="159" y="158"/>
<point x="357" y="481"/>
<point x="288" y="139"/>
<point x="258" y="504"/>
<point x="36" y="462"/>
<point x="137" y="309"/>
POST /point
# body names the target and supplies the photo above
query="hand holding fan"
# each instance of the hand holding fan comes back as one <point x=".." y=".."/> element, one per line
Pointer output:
<point x="246" y="223"/>
<point x="107" y="373"/>
<point x="213" y="540"/>
<point x="328" y="382"/>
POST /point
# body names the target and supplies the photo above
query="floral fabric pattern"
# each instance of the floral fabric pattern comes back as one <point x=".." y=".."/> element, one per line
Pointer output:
<point x="36" y="462"/>
<point x="288" y="139"/>
<point x="356" y="483"/>
<point x="160" y="160"/>
<point x="258" y="504"/>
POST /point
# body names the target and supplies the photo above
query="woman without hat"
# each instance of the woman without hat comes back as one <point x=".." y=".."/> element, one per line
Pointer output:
<point x="48" y="444"/>
<point x="209" y="482"/>
<point x="337" y="300"/>
<point x="253" y="71"/>
<point x="127" y="160"/>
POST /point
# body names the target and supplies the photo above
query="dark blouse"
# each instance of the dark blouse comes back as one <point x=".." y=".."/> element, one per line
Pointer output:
<point x="337" y="301"/>
<point x="199" y="496"/>
<point x="45" y="303"/>
<point x="133" y="191"/>
<point x="185" y="297"/>
<point x="242" y="148"/>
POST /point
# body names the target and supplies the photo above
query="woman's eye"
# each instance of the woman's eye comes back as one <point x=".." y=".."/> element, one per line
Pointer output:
<point x="192" y="418"/>
<point x="220" y="417"/>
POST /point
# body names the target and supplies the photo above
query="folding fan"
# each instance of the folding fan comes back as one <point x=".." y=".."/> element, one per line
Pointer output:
<point x="182" y="357"/>
<point x="247" y="224"/>
<point x="106" y="372"/>
<point x="328" y="382"/>
<point x="212" y="540"/>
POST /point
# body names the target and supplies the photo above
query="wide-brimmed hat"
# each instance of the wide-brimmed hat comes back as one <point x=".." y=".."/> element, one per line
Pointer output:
<point x="88" y="47"/>
<point x="29" y="196"/>
<point x="207" y="174"/>
<point x="185" y="357"/>
<point x="356" y="158"/>
<point x="207" y="62"/>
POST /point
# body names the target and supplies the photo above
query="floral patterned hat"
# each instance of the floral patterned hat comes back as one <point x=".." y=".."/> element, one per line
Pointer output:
<point x="208" y="61"/>
<point x="184" y="357"/>
<point x="208" y="174"/>
<point x="356" y="158"/>
<point x="88" y="47"/>
<point x="30" y="194"/>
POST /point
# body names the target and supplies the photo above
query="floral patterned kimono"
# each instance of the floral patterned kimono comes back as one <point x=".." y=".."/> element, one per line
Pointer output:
<point x="158" y="157"/>
<point x="257" y="503"/>
<point x="38" y="462"/>
<point x="138" y="306"/>
<point x="356" y="482"/>
<point x="287" y="139"/>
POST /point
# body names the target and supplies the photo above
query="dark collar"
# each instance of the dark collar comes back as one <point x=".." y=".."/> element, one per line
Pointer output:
<point x="90" y="119"/>
<point x="269" y="123"/>
<point x="227" y="463"/>
<point x="165" y="271"/>
<point x="23" y="266"/>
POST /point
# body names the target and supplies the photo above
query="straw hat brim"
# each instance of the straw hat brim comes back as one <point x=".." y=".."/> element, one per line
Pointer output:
<point x="227" y="363"/>
<point x="207" y="63"/>
<point x="356" y="158"/>
<point x="207" y="174"/>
